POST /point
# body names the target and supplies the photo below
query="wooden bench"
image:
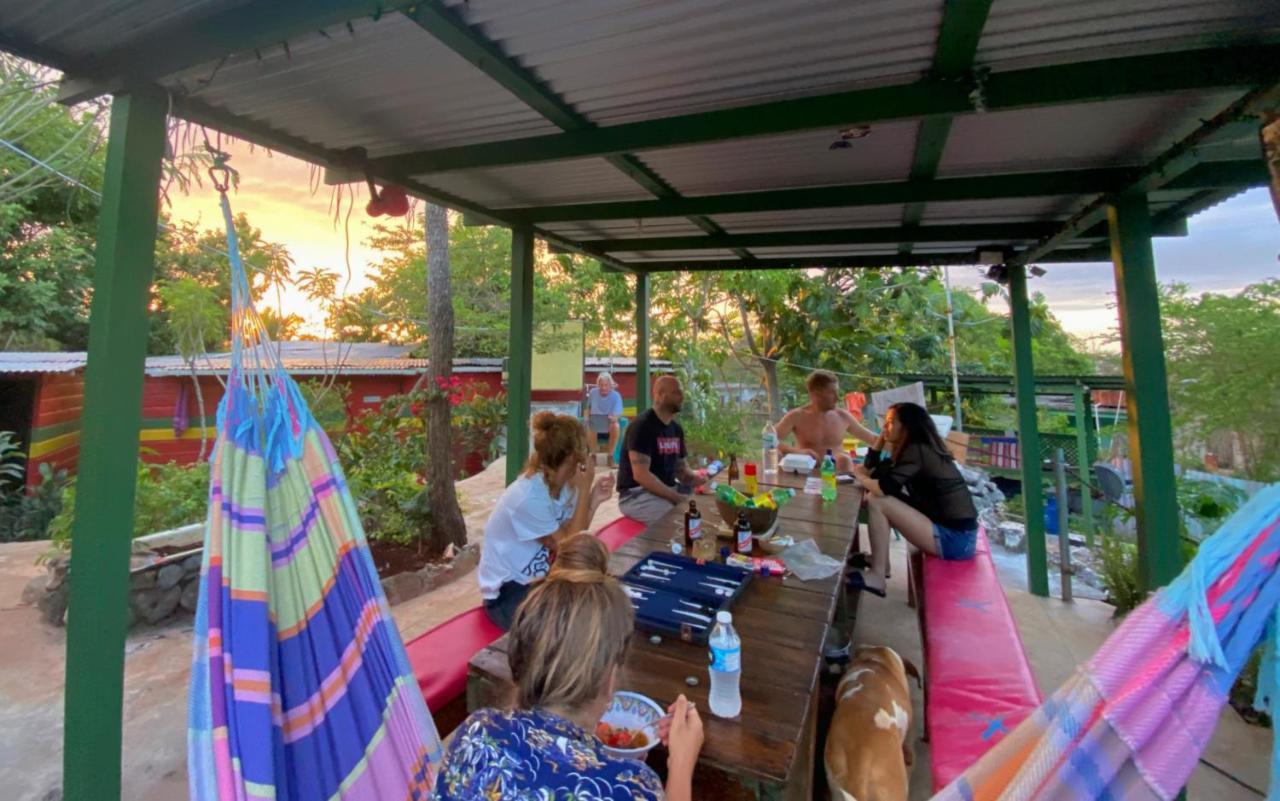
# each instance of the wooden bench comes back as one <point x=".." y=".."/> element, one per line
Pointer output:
<point x="439" y="657"/>
<point x="978" y="684"/>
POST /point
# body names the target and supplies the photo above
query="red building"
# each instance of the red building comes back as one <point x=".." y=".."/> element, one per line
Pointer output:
<point x="41" y="394"/>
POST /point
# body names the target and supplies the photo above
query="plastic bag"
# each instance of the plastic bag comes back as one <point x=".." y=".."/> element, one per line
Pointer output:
<point x="808" y="563"/>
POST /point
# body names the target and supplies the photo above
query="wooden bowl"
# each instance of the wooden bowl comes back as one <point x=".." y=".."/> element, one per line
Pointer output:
<point x="761" y="520"/>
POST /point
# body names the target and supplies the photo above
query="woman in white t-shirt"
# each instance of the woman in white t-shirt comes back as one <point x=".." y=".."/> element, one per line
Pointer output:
<point x="555" y="497"/>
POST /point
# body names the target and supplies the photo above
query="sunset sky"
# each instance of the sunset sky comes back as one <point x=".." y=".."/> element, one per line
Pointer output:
<point x="1230" y="246"/>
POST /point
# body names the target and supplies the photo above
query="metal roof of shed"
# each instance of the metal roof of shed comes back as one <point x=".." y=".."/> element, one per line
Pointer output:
<point x="603" y="121"/>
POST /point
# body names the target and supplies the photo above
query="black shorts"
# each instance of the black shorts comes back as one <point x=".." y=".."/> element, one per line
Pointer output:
<point x="502" y="610"/>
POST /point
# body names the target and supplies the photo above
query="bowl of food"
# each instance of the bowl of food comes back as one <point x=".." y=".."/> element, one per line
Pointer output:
<point x="629" y="727"/>
<point x="760" y="519"/>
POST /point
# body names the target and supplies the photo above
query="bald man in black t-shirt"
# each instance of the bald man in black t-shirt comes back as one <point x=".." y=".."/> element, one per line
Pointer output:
<point x="654" y="467"/>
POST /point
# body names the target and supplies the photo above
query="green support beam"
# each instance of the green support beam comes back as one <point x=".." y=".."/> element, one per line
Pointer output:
<point x="519" y="351"/>
<point x="985" y="187"/>
<point x="1084" y="465"/>
<point x="1104" y="79"/>
<point x="102" y="532"/>
<point x="642" y="342"/>
<point x="243" y="28"/>
<point x="976" y="232"/>
<point x="958" y="36"/>
<point x="1146" y="391"/>
<point x="1028" y="434"/>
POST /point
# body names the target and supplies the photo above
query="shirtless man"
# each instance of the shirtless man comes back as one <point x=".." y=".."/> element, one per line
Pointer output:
<point x="820" y="424"/>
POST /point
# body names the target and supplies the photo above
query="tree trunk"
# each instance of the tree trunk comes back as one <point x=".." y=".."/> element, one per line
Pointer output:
<point x="770" y="368"/>
<point x="204" y="432"/>
<point x="447" y="525"/>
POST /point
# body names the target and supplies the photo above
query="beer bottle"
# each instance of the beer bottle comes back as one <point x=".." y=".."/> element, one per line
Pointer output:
<point x="692" y="528"/>
<point x="733" y="469"/>
<point x="742" y="535"/>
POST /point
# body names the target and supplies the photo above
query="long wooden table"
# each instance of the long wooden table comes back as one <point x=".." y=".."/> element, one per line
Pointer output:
<point x="768" y="751"/>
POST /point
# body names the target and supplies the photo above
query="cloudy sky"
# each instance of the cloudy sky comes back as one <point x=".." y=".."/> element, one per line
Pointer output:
<point x="1231" y="245"/>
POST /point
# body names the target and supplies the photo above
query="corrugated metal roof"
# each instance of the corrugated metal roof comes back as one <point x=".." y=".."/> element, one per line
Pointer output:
<point x="621" y="61"/>
<point x="1023" y="209"/>
<point x="84" y="26"/>
<point x="1028" y="32"/>
<point x="1111" y="133"/>
<point x="389" y="87"/>
<point x="24" y="362"/>
<point x="620" y="229"/>
<point x="578" y="181"/>
<point x="784" y="162"/>
<point x="810" y="219"/>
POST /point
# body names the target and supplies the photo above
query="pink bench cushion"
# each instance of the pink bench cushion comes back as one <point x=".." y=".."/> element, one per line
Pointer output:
<point x="619" y="532"/>
<point x="439" y="658"/>
<point x="980" y="685"/>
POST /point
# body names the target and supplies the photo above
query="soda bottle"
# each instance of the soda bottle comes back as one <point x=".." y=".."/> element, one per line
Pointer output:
<point x="742" y="535"/>
<point x="692" y="528"/>
<point x="726" y="668"/>
<point x="828" y="477"/>
<point x="769" y="449"/>
<point x="749" y="476"/>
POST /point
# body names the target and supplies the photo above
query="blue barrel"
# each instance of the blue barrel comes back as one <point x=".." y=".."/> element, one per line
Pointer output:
<point x="1051" y="515"/>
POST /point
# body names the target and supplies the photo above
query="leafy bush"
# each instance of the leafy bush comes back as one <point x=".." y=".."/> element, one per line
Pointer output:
<point x="383" y="457"/>
<point x="167" y="496"/>
<point x="327" y="402"/>
<point x="480" y="422"/>
<point x="25" y="514"/>
<point x="712" y="427"/>
<point x="1119" y="574"/>
<point x="1244" y="690"/>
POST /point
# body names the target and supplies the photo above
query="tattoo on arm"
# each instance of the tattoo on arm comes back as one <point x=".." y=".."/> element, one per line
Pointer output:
<point x="639" y="459"/>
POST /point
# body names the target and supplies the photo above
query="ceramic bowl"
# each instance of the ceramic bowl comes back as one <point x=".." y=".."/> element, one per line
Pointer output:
<point x="633" y="711"/>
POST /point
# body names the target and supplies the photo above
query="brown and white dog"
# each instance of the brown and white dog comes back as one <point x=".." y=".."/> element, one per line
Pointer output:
<point x="867" y="754"/>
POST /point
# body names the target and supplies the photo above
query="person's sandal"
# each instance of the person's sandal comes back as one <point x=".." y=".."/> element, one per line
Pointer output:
<point x="856" y="582"/>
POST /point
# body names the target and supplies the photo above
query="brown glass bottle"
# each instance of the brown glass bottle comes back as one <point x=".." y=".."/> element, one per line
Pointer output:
<point x="742" y="535"/>
<point x="733" y="469"/>
<point x="692" y="528"/>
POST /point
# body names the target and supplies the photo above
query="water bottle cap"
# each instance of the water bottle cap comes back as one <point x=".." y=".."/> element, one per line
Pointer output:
<point x="724" y="617"/>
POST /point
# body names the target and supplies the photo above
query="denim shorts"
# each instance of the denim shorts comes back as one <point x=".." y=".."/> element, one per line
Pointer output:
<point x="955" y="544"/>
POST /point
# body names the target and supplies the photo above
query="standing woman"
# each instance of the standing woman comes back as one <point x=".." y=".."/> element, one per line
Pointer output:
<point x="555" y="497"/>
<point x="916" y="488"/>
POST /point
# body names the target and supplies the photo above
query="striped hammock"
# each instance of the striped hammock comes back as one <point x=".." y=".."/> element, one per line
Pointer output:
<point x="1133" y="721"/>
<point x="300" y="687"/>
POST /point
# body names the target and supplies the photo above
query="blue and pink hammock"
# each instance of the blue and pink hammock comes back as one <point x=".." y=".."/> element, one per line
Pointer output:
<point x="300" y="688"/>
<point x="1133" y="721"/>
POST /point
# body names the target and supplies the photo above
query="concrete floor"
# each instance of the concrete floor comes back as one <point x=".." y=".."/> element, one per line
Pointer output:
<point x="1057" y="636"/>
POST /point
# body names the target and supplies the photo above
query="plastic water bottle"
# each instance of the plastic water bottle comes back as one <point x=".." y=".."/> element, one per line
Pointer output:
<point x="726" y="668"/>
<point x="769" y="449"/>
<point x="828" y="477"/>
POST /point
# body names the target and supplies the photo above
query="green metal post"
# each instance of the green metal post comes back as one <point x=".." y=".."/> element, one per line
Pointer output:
<point x="519" y="351"/>
<point x="1083" y="463"/>
<point x="98" y="615"/>
<point x="642" y="342"/>
<point x="1146" y="390"/>
<point x="1028" y="434"/>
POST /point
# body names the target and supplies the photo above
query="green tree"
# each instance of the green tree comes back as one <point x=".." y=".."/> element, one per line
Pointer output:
<point x="1224" y="375"/>
<point x="196" y="321"/>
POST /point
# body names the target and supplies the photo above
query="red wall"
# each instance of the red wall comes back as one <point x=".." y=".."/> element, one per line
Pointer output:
<point x="59" y="401"/>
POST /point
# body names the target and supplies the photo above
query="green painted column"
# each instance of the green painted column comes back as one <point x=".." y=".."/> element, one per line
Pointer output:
<point x="1028" y="433"/>
<point x="1083" y="463"/>
<point x="642" y="342"/>
<point x="1146" y="390"/>
<point x="101" y="536"/>
<point x="519" y="351"/>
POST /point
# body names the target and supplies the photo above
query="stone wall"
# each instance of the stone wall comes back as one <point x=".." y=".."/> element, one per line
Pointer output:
<point x="167" y="587"/>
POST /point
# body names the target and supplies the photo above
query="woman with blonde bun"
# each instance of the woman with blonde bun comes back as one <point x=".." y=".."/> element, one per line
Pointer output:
<point x="567" y="644"/>
<point x="555" y="497"/>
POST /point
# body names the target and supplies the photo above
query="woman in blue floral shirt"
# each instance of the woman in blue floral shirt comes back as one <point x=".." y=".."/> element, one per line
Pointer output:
<point x="567" y="643"/>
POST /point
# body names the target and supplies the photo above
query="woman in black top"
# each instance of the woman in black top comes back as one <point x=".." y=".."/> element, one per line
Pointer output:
<point x="917" y="489"/>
